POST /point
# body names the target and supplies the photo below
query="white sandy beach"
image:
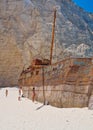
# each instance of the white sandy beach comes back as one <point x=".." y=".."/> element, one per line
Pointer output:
<point x="26" y="115"/>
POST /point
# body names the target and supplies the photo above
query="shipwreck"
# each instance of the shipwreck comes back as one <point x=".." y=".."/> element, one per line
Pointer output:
<point x="67" y="83"/>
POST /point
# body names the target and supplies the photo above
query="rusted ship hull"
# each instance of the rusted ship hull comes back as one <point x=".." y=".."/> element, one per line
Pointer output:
<point x="64" y="84"/>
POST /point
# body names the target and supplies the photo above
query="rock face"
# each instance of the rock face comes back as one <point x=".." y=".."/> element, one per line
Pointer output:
<point x="10" y="62"/>
<point x="26" y="26"/>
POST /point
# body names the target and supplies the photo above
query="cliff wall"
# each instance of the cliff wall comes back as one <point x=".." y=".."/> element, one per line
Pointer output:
<point x="26" y="26"/>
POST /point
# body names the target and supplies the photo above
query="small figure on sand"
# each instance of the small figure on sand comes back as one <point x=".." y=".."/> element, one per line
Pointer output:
<point x="19" y="97"/>
<point x="19" y="92"/>
<point x="6" y="92"/>
<point x="33" y="94"/>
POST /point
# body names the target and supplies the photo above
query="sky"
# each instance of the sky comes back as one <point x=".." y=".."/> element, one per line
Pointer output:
<point x="85" y="4"/>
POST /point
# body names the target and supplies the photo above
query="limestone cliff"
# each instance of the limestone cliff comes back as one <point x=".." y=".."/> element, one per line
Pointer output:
<point x="10" y="61"/>
<point x="26" y="26"/>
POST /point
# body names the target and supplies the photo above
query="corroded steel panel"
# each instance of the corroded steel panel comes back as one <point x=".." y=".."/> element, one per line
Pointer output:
<point x="65" y="83"/>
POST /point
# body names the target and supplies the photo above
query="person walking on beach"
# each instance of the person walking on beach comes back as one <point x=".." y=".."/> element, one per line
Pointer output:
<point x="19" y="92"/>
<point x="33" y="94"/>
<point x="6" y="92"/>
<point x="19" y="97"/>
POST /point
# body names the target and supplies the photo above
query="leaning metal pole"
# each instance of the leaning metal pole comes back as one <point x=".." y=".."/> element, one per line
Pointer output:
<point x="43" y="79"/>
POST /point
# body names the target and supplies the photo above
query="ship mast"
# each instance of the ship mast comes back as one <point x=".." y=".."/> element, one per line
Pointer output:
<point x="52" y="42"/>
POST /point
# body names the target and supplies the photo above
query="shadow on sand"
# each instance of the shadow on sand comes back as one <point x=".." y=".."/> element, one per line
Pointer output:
<point x="40" y="107"/>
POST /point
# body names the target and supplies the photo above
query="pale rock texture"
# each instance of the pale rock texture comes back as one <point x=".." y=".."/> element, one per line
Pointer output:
<point x="10" y="62"/>
<point x="26" y="25"/>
